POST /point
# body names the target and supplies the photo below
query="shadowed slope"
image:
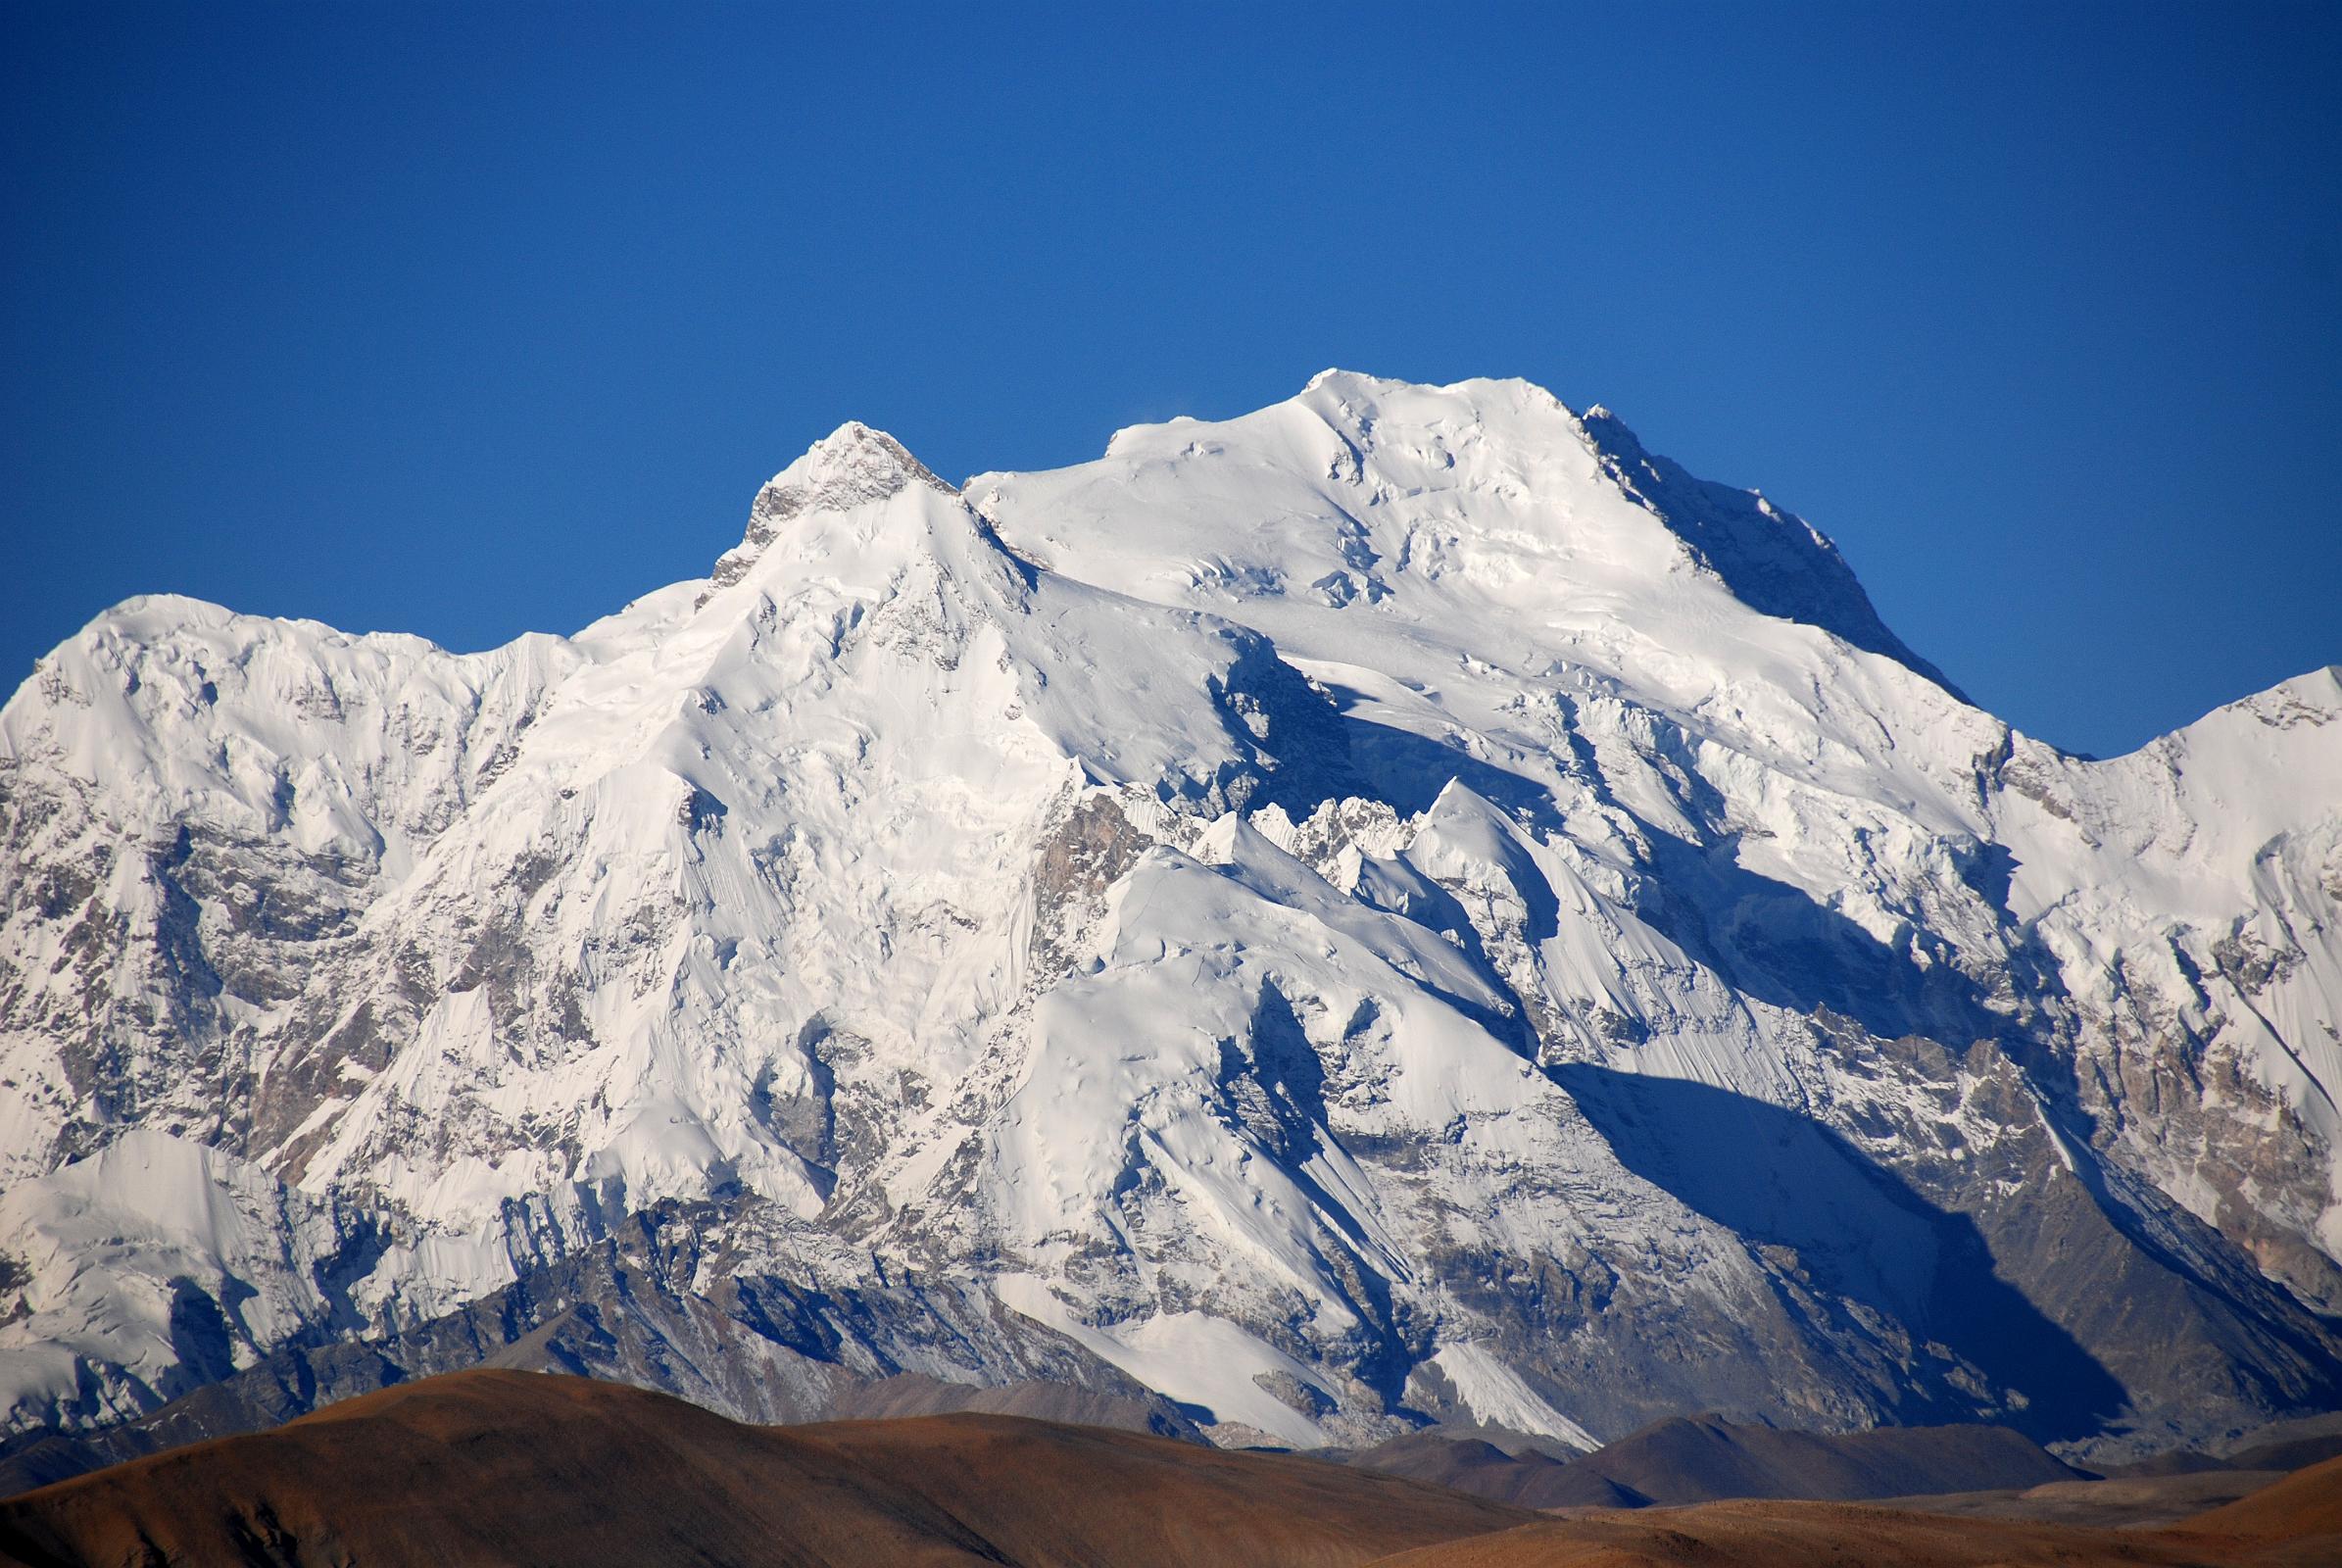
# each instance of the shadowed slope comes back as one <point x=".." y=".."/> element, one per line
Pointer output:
<point x="2118" y="1503"/>
<point x="1703" y="1458"/>
<point x="1526" y="1480"/>
<point x="2288" y="1445"/>
<point x="1861" y="1230"/>
<point x="504" y="1468"/>
<point x="914" y="1394"/>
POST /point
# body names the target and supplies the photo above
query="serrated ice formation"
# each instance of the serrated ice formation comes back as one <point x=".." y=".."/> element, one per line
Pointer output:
<point x="1400" y="907"/>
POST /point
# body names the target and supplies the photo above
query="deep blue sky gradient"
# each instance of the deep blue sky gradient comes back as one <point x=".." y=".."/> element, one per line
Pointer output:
<point x="467" y="323"/>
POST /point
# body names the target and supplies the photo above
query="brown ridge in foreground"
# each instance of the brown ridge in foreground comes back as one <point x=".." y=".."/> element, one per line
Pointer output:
<point x="491" y="1467"/>
<point x="501" y="1467"/>
<point x="2304" y="1507"/>
<point x="2295" y="1523"/>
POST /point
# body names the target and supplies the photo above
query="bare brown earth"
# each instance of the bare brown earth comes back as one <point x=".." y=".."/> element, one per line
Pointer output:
<point x="497" y="1467"/>
<point x="2295" y="1523"/>
<point x="1792" y="1535"/>
<point x="504" y="1467"/>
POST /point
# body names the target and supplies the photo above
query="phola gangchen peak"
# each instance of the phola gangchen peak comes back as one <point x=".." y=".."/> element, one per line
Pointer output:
<point x="1400" y="907"/>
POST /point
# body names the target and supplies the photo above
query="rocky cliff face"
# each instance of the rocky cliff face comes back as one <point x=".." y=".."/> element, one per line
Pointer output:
<point x="1402" y="905"/>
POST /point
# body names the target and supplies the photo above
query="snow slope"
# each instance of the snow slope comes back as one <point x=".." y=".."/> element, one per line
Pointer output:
<point x="1402" y="905"/>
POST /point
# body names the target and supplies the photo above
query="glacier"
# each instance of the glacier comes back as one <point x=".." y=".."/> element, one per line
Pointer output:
<point x="1400" y="907"/>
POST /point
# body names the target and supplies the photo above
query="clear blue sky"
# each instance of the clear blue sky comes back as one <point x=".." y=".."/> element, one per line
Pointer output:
<point x="469" y="323"/>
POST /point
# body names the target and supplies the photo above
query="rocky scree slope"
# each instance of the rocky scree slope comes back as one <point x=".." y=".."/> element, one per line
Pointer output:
<point x="1399" y="907"/>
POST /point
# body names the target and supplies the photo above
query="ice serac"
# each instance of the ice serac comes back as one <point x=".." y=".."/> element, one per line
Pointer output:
<point x="1399" y="906"/>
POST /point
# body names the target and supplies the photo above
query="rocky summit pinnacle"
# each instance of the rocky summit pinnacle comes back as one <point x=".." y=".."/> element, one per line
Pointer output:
<point x="852" y="466"/>
<point x="1401" y="906"/>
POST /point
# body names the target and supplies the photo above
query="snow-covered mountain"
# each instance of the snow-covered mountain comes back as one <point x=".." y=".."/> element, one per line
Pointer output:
<point x="1403" y="906"/>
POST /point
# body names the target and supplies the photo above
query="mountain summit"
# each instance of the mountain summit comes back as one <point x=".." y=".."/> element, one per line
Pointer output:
<point x="1400" y="907"/>
<point x="850" y="467"/>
